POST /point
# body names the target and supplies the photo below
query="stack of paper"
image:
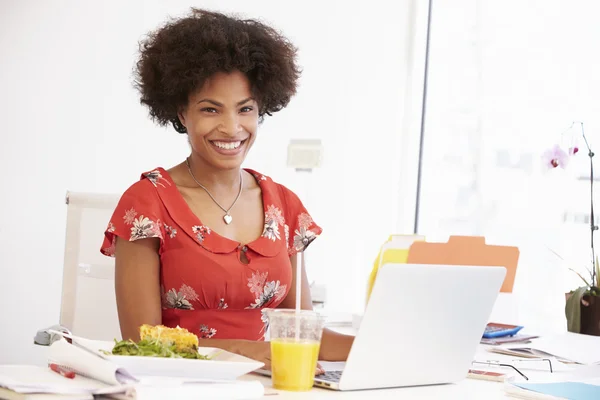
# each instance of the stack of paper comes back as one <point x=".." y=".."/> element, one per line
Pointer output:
<point x="518" y="338"/>
<point x="568" y="347"/>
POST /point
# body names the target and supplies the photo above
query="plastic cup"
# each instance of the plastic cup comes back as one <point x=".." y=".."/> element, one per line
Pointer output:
<point x="295" y="343"/>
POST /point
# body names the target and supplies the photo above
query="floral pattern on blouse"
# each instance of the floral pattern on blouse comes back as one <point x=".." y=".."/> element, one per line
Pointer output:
<point x="264" y="291"/>
<point x="303" y="236"/>
<point x="110" y="250"/>
<point x="201" y="232"/>
<point x="222" y="305"/>
<point x="156" y="178"/>
<point x="286" y="229"/>
<point x="129" y="216"/>
<point x="180" y="299"/>
<point x="144" y="228"/>
<point x="171" y="232"/>
<point x="206" y="332"/>
<point x="273" y="218"/>
<point x="259" y="178"/>
<point x="265" y="320"/>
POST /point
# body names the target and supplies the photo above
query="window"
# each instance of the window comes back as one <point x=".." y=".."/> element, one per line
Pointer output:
<point x="505" y="79"/>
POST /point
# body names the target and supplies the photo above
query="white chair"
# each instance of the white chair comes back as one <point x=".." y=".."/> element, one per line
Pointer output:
<point x="88" y="305"/>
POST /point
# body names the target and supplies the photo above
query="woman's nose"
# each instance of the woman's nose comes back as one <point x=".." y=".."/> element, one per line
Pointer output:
<point x="230" y="125"/>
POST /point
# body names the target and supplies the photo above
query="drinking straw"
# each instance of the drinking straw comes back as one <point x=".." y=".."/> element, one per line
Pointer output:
<point x="299" y="269"/>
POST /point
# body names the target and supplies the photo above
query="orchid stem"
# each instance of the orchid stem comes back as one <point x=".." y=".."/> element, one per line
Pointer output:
<point x="593" y="226"/>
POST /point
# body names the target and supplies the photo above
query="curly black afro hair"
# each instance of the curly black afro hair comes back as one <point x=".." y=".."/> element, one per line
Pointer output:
<point x="177" y="58"/>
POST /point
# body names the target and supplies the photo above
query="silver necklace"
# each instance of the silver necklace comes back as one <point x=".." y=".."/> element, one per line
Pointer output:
<point x="227" y="217"/>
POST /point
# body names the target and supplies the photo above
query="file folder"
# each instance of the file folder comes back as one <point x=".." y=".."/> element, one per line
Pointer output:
<point x="467" y="250"/>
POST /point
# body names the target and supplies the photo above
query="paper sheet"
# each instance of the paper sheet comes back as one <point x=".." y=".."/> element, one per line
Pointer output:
<point x="564" y="390"/>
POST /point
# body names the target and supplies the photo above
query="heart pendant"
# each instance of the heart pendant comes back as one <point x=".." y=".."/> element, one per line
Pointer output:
<point x="227" y="218"/>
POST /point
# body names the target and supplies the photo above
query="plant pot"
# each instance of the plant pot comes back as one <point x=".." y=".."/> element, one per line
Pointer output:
<point x="590" y="315"/>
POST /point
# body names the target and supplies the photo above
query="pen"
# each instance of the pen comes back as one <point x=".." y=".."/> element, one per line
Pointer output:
<point x="60" y="370"/>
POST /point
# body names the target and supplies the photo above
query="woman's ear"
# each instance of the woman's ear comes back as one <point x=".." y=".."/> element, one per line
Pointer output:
<point x="179" y="122"/>
<point x="181" y="116"/>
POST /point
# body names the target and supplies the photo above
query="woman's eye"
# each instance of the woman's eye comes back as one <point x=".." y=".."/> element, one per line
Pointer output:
<point x="246" y="109"/>
<point x="209" y="110"/>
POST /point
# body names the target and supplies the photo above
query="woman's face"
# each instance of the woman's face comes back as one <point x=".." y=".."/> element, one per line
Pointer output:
<point x="221" y="120"/>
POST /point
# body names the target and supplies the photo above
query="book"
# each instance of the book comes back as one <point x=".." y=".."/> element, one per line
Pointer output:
<point x="518" y="338"/>
<point x="486" y="375"/>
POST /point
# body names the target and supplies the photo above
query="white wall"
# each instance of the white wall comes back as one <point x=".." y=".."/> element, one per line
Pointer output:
<point x="71" y="121"/>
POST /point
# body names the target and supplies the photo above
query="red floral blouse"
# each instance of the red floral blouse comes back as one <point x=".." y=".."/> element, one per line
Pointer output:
<point x="205" y="286"/>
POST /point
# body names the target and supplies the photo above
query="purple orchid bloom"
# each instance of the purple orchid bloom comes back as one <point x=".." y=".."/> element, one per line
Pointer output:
<point x="573" y="150"/>
<point x="555" y="157"/>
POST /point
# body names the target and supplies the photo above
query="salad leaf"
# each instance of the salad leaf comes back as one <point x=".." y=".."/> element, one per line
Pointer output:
<point x="155" y="348"/>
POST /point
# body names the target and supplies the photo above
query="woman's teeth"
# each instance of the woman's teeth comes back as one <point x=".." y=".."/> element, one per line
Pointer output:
<point x="227" y="145"/>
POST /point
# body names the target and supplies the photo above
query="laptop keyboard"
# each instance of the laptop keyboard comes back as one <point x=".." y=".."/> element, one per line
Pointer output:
<point x="330" y="376"/>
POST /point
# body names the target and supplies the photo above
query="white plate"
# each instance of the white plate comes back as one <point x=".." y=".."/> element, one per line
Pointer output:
<point x="223" y="365"/>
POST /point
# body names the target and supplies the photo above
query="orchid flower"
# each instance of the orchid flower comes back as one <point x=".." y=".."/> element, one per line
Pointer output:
<point x="557" y="157"/>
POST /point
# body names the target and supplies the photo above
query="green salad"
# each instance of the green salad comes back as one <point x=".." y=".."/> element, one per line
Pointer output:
<point x="154" y="348"/>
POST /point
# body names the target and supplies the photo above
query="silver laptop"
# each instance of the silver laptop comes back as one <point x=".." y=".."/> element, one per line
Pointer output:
<point x="422" y="326"/>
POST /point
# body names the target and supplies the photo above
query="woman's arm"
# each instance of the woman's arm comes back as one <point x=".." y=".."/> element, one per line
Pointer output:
<point x="137" y="285"/>
<point x="334" y="346"/>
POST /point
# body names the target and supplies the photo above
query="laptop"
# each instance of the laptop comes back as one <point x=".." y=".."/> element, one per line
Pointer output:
<point x="422" y="326"/>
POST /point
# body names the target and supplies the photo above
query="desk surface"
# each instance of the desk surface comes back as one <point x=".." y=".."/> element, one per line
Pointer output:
<point x="465" y="389"/>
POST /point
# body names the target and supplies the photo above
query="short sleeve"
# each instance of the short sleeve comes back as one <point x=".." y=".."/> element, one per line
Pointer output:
<point x="137" y="216"/>
<point x="300" y="229"/>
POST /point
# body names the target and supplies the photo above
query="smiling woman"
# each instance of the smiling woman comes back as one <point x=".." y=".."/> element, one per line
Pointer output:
<point x="206" y="245"/>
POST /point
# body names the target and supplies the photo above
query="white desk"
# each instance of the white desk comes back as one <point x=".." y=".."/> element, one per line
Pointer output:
<point x="466" y="389"/>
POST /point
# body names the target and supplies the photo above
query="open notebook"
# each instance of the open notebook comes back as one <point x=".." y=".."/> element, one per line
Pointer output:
<point x="94" y="375"/>
<point x="99" y="375"/>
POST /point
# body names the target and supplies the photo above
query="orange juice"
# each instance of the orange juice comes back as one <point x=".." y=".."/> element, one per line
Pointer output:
<point x="294" y="363"/>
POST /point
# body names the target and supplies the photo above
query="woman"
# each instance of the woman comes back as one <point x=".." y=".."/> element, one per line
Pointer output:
<point x="206" y="244"/>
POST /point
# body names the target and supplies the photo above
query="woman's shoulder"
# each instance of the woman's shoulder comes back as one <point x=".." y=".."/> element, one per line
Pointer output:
<point x="144" y="193"/>
<point x="274" y="189"/>
<point x="148" y="182"/>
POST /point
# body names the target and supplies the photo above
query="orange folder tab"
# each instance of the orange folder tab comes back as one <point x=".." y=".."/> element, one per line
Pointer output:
<point x="468" y="250"/>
